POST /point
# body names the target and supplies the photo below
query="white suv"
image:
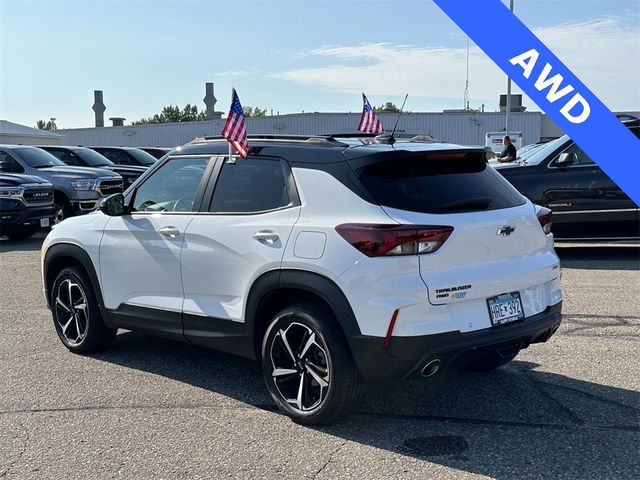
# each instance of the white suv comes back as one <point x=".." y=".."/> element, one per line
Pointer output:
<point x="332" y="260"/>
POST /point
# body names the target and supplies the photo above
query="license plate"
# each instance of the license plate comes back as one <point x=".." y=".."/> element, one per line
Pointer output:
<point x="44" y="222"/>
<point x="505" y="308"/>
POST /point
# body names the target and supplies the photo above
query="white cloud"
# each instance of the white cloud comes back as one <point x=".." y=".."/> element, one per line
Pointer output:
<point x="603" y="53"/>
<point x="247" y="72"/>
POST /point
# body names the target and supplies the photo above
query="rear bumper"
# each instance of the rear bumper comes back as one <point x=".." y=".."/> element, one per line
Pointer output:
<point x="407" y="356"/>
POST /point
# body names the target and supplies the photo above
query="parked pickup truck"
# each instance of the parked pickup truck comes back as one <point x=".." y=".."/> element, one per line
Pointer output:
<point x="587" y="205"/>
<point x="85" y="157"/>
<point x="26" y="205"/>
<point x="76" y="190"/>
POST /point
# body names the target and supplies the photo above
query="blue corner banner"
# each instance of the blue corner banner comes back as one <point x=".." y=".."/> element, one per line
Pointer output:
<point x="552" y="86"/>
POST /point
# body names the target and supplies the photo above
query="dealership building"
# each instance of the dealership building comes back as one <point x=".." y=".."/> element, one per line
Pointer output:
<point x="466" y="127"/>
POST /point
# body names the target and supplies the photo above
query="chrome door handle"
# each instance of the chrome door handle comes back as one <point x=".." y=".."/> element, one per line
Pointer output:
<point x="266" y="236"/>
<point x="171" y="232"/>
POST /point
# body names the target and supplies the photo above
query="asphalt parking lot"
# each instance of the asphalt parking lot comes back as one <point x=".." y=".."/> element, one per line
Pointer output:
<point x="150" y="408"/>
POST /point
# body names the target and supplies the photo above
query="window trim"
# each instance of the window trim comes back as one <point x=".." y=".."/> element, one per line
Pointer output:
<point x="292" y="189"/>
<point x="197" y="201"/>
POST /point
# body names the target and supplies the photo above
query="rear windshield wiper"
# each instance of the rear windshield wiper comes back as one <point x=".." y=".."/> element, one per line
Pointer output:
<point x="471" y="204"/>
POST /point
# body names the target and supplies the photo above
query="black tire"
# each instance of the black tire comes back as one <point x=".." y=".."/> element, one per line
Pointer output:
<point x="81" y="329"/>
<point x="329" y="353"/>
<point x="490" y="360"/>
<point x="62" y="208"/>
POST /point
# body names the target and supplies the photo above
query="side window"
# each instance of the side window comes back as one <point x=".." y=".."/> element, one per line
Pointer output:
<point x="116" y="156"/>
<point x="8" y="164"/>
<point x="171" y="188"/>
<point x="249" y="186"/>
<point x="580" y="157"/>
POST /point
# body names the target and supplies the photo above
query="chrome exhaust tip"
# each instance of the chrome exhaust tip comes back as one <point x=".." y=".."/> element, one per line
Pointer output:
<point x="431" y="368"/>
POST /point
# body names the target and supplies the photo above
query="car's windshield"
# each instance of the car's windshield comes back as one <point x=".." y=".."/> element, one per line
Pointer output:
<point x="37" y="158"/>
<point x="144" y="158"/>
<point x="536" y="155"/>
<point x="92" y="158"/>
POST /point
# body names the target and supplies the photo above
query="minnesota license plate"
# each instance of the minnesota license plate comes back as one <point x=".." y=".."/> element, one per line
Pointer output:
<point x="505" y="308"/>
<point x="44" y="222"/>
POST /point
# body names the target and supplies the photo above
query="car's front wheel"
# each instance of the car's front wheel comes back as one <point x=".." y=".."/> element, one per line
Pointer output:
<point x="308" y="366"/>
<point x="62" y="208"/>
<point x="76" y="315"/>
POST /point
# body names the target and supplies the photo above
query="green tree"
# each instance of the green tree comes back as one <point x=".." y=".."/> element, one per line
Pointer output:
<point x="46" y="125"/>
<point x="171" y="114"/>
<point x="386" y="108"/>
<point x="254" y="111"/>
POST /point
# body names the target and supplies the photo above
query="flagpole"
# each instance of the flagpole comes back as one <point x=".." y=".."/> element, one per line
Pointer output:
<point x="229" y="150"/>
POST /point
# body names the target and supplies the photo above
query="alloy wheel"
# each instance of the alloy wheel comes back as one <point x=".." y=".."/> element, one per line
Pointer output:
<point x="300" y="367"/>
<point x="58" y="214"/>
<point x="71" y="311"/>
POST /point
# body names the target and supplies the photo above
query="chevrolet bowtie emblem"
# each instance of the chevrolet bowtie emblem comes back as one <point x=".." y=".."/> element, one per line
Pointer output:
<point x="506" y="230"/>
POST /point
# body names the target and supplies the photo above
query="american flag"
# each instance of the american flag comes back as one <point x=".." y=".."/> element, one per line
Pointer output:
<point x="235" y="129"/>
<point x="369" y="122"/>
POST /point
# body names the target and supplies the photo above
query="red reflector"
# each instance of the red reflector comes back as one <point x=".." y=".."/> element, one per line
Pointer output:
<point x="392" y="323"/>
<point x="544" y="217"/>
<point x="378" y="240"/>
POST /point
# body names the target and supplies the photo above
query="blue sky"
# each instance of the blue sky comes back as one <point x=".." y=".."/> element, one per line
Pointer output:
<point x="286" y="56"/>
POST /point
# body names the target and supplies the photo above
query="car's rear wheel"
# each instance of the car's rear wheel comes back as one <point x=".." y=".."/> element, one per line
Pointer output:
<point x="76" y="315"/>
<point x="308" y="366"/>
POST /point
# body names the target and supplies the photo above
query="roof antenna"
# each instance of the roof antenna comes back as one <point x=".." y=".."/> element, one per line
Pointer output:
<point x="392" y="139"/>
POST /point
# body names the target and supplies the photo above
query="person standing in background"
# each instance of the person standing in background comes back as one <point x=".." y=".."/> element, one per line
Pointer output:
<point x="509" y="152"/>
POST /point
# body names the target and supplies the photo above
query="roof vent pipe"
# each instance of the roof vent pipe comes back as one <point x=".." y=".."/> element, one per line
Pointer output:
<point x="98" y="108"/>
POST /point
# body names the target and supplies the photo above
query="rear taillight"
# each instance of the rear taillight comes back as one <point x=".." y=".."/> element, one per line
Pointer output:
<point x="379" y="240"/>
<point x="544" y="217"/>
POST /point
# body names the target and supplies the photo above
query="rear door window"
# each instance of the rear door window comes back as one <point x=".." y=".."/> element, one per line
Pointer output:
<point x="250" y="186"/>
<point x="439" y="182"/>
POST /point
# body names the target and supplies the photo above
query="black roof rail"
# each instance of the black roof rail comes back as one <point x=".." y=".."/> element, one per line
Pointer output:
<point x="327" y="140"/>
<point x="352" y="135"/>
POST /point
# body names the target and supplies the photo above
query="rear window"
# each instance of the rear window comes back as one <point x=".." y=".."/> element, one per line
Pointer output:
<point x="439" y="182"/>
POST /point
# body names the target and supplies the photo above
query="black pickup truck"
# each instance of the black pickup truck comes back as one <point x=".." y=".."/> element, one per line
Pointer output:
<point x="26" y="205"/>
<point x="586" y="203"/>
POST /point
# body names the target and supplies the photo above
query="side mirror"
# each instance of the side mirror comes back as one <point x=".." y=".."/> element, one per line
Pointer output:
<point x="565" y="160"/>
<point x="113" y="205"/>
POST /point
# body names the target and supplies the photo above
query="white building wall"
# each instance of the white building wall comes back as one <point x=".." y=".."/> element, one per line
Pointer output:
<point x="9" y="139"/>
<point x="462" y="128"/>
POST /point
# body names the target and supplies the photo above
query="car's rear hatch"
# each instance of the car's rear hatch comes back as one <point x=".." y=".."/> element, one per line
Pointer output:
<point x="497" y="245"/>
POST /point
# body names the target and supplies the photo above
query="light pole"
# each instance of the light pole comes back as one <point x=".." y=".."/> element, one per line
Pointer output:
<point x="506" y="121"/>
